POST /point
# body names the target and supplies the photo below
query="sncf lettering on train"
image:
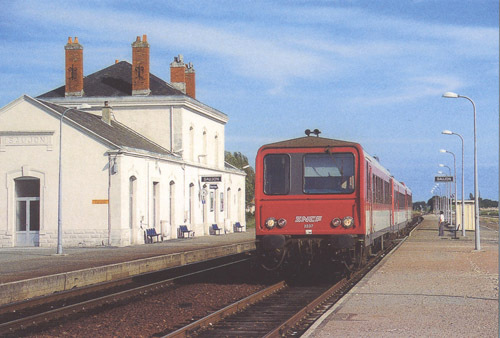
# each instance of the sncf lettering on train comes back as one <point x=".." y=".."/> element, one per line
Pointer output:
<point x="308" y="219"/>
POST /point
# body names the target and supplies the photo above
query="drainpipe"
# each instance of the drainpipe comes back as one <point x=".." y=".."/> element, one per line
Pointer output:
<point x="109" y="199"/>
<point x="171" y="128"/>
<point x="147" y="199"/>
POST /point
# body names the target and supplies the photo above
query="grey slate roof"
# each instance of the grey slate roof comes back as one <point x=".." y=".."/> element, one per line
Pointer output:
<point x="116" y="80"/>
<point x="116" y="133"/>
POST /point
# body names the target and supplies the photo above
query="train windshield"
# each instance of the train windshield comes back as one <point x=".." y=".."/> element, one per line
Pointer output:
<point x="331" y="173"/>
<point x="277" y="174"/>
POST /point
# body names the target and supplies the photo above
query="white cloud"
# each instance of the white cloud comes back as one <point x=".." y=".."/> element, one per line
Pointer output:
<point x="279" y="56"/>
<point x="346" y="45"/>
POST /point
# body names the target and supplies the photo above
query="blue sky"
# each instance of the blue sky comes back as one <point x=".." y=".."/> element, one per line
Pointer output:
<point x="365" y="71"/>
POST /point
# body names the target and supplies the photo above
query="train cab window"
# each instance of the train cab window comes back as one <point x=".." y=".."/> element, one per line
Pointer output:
<point x="329" y="173"/>
<point x="277" y="174"/>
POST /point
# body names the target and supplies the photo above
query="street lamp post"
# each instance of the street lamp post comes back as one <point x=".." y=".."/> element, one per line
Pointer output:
<point x="59" y="199"/>
<point x="454" y="179"/>
<point x="439" y="197"/>
<point x="436" y="198"/>
<point x="59" y="195"/>
<point x="444" y="199"/>
<point x="433" y="199"/>
<point x="448" y="132"/>
<point x="449" y="193"/>
<point x="476" y="187"/>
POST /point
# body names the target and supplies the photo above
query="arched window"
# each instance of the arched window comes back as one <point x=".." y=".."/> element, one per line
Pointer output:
<point x="216" y="150"/>
<point x="156" y="204"/>
<point x="240" y="208"/>
<point x="191" y="204"/>
<point x="171" y="217"/>
<point x="191" y="143"/>
<point x="132" y="206"/>
<point x="204" y="155"/>
<point x="228" y="203"/>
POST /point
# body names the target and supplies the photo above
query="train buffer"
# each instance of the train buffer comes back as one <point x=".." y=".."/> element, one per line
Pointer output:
<point x="150" y="233"/>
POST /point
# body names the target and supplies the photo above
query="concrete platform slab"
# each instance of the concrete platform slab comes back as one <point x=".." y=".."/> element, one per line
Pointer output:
<point x="32" y="272"/>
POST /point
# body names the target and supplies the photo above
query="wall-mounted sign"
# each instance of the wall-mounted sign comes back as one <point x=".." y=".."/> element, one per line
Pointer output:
<point x="443" y="179"/>
<point x="100" y="201"/>
<point x="214" y="186"/>
<point x="26" y="138"/>
<point x="211" y="179"/>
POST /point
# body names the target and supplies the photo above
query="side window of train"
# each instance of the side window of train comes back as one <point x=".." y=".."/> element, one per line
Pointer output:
<point x="277" y="174"/>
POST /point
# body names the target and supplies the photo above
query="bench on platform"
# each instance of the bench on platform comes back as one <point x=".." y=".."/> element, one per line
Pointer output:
<point x="238" y="227"/>
<point x="183" y="230"/>
<point x="216" y="230"/>
<point x="150" y="233"/>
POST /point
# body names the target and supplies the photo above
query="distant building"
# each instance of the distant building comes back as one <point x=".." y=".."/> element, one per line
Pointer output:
<point x="144" y="153"/>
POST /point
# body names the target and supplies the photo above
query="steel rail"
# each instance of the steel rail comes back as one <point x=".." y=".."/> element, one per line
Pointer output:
<point x="46" y="316"/>
<point x="61" y="296"/>
<point x="343" y="283"/>
<point x="225" y="312"/>
<point x="280" y="331"/>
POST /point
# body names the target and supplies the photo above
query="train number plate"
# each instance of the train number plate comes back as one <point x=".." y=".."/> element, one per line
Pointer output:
<point x="309" y="231"/>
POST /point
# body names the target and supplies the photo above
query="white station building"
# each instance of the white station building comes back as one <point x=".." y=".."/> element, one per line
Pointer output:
<point x="135" y="153"/>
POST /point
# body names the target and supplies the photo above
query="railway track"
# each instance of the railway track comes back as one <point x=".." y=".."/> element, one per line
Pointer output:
<point x="280" y="310"/>
<point x="31" y="314"/>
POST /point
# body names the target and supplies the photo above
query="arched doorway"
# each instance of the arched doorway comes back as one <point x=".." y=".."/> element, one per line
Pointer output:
<point x="27" y="211"/>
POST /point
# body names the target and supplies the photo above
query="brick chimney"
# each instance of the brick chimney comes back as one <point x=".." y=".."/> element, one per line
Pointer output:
<point x="178" y="73"/>
<point x="74" y="68"/>
<point x="190" y="81"/>
<point x="140" y="66"/>
<point x="182" y="76"/>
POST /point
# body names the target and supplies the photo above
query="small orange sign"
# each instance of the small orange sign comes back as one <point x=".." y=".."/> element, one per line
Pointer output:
<point x="99" y="201"/>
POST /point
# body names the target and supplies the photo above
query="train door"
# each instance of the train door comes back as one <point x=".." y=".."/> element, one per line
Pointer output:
<point x="392" y="204"/>
<point x="370" y="197"/>
<point x="396" y="207"/>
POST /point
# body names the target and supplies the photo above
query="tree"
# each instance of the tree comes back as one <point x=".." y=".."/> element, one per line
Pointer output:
<point x="420" y="206"/>
<point x="486" y="203"/>
<point x="240" y="161"/>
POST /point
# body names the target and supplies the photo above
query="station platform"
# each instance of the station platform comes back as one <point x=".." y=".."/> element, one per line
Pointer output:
<point x="428" y="287"/>
<point x="33" y="271"/>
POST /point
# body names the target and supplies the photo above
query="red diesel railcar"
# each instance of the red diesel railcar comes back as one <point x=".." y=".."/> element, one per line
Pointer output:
<point x="321" y="200"/>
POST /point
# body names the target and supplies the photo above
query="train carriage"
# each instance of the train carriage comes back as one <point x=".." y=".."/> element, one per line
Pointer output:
<point x="323" y="200"/>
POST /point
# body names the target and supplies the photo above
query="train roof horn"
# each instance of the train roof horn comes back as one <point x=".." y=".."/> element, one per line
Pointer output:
<point x="315" y="132"/>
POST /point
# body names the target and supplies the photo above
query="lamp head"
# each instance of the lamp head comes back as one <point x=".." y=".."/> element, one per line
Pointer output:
<point x="447" y="132"/>
<point x="450" y="95"/>
<point x="442" y="151"/>
<point x="441" y="165"/>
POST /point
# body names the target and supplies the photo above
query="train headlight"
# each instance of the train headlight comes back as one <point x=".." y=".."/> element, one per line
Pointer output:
<point x="270" y="222"/>
<point x="335" y="222"/>
<point x="347" y="222"/>
<point x="281" y="222"/>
